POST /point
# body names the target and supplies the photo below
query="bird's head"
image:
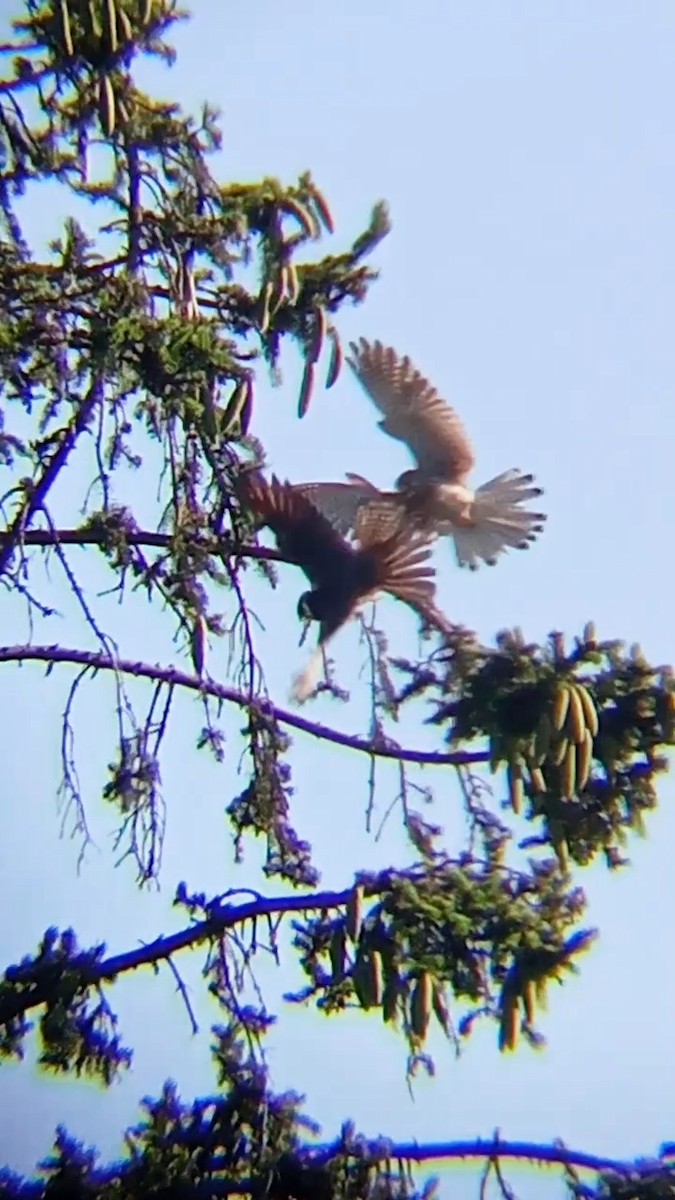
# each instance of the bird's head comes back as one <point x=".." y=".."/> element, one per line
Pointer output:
<point x="407" y="479"/>
<point x="306" y="608"/>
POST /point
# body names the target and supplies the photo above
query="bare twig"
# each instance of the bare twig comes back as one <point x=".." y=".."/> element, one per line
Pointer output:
<point x="37" y="493"/>
<point x="69" y="787"/>
<point x="182" y="989"/>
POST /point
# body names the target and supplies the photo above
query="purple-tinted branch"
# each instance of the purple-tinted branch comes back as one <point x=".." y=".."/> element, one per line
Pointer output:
<point x="221" y="918"/>
<point x="18" y="84"/>
<point x="496" y="1148"/>
<point x="485" y="1148"/>
<point x="36" y="493"/>
<point x="176" y="678"/>
<point x="139" y="537"/>
<point x="539" y="1154"/>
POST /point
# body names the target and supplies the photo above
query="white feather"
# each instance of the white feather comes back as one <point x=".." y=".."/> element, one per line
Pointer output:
<point x="498" y="521"/>
<point x="306" y="681"/>
<point x="513" y="478"/>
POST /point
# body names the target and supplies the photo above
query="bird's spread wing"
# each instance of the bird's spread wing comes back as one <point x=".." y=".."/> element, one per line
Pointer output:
<point x="379" y="521"/>
<point x="342" y="503"/>
<point x="303" y="534"/>
<point x="398" y="562"/>
<point x="339" y="502"/>
<point x="414" y="412"/>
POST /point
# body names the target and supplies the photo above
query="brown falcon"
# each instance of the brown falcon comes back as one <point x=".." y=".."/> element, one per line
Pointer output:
<point x="343" y="576"/>
<point x="434" y="496"/>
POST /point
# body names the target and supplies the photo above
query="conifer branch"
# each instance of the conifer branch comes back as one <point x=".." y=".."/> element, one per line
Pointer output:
<point x="380" y="748"/>
<point x="140" y="537"/>
<point x="36" y="492"/>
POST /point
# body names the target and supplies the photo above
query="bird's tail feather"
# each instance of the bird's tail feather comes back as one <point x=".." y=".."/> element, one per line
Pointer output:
<point x="498" y="521"/>
<point x="511" y="487"/>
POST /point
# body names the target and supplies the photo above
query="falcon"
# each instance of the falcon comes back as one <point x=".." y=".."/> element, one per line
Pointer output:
<point x="434" y="496"/>
<point x="343" y="576"/>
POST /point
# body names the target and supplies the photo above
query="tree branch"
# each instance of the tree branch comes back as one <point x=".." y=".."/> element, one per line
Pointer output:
<point x="545" y="1154"/>
<point x="496" y="1148"/>
<point x="222" y="917"/>
<point x="541" y="1154"/>
<point x="36" y="493"/>
<point x="380" y="747"/>
<point x="141" y="537"/>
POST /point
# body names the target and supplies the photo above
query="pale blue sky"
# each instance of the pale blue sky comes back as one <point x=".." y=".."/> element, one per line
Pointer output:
<point x="527" y="155"/>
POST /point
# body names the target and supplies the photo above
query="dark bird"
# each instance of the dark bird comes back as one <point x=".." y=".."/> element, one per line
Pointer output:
<point x="343" y="576"/>
<point x="434" y="495"/>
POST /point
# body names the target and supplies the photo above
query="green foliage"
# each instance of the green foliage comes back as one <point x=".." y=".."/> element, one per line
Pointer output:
<point x="607" y="710"/>
<point x="77" y="1028"/>
<point x="468" y="927"/>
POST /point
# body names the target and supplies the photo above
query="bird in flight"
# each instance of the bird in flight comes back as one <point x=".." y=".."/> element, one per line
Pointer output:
<point x="433" y="496"/>
<point x="343" y="576"/>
